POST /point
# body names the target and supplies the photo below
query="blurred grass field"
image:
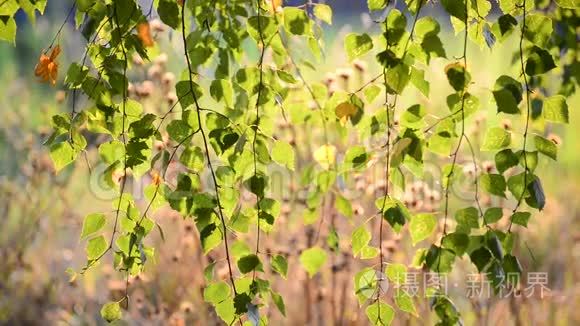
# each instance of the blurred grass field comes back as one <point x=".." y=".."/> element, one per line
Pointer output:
<point x="41" y="213"/>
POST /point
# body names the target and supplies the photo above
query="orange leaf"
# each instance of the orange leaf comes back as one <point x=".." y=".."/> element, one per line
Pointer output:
<point x="47" y="67"/>
<point x="144" y="34"/>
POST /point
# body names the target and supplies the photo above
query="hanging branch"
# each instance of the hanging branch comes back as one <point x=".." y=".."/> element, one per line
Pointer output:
<point x="462" y="110"/>
<point x="527" y="90"/>
<point x="206" y="147"/>
<point x="124" y="139"/>
<point x="256" y="125"/>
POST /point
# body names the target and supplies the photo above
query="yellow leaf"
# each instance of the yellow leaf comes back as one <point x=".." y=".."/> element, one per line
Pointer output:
<point x="273" y="5"/>
<point x="325" y="155"/>
<point x="345" y="111"/>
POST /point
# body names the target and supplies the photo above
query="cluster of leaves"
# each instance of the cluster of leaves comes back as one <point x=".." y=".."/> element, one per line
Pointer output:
<point x="224" y="125"/>
<point x="9" y="8"/>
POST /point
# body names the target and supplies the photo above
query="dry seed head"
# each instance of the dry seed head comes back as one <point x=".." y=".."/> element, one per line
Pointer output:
<point x="130" y="88"/>
<point x="360" y="185"/>
<point x="146" y="89"/>
<point x="487" y="166"/>
<point x="555" y="139"/>
<point x="329" y="79"/>
<point x="137" y="60"/>
<point x="159" y="145"/>
<point x="161" y="59"/>
<point x="360" y="65"/>
<point x="156" y="25"/>
<point x="60" y="96"/>
<point x="469" y="170"/>
<point x="171" y="98"/>
<point x="186" y="307"/>
<point x="168" y="78"/>
<point x="506" y="124"/>
<point x="358" y="210"/>
<point x="344" y="73"/>
<point x="390" y="246"/>
<point x="154" y="72"/>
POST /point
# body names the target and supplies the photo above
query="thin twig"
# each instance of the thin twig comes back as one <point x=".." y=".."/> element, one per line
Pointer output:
<point x="527" y="90"/>
<point x="206" y="147"/>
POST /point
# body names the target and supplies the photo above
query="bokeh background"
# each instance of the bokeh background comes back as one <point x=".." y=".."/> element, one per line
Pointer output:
<point x="41" y="213"/>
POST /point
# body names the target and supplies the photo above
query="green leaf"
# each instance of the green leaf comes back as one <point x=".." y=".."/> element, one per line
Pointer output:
<point x="380" y="313"/>
<point x="226" y="311"/>
<point x="397" y="78"/>
<point x="208" y="271"/>
<point x="241" y="303"/>
<point x="539" y="62"/>
<point x="283" y="154"/>
<point x="323" y="12"/>
<point x="179" y="130"/>
<point x="111" y="311"/>
<point x="279" y="302"/>
<point x="359" y="239"/>
<point x="343" y="206"/>
<point x="538" y="29"/>
<point x="505" y="159"/>
<point x="396" y="273"/>
<point x="186" y="99"/>
<point x="512" y="267"/>
<point x="494" y="184"/>
<point x="249" y="263"/>
<point x="216" y="293"/>
<point x="193" y="158"/>
<point x="413" y="117"/>
<point x="312" y="260"/>
<point x="516" y="185"/>
<point x="496" y="138"/>
<point x="546" y="147"/>
<point x="357" y="45"/>
<point x="377" y="4"/>
<point x="96" y="247"/>
<point x="421" y="227"/>
<point x="266" y="24"/>
<point x="365" y="284"/>
<point x="418" y="80"/>
<point x="555" y="109"/>
<point x="467" y="218"/>
<point x="440" y="260"/>
<point x="169" y="13"/>
<point x="371" y="92"/>
<point x="507" y="94"/>
<point x="405" y="302"/>
<point x="481" y="258"/>
<point x="210" y="237"/>
<point x="92" y="224"/>
<point x="296" y="21"/>
<point x="457" y="76"/>
<point x="356" y="157"/>
<point x="494" y="245"/>
<point x="537" y="197"/>
<point x="457" y="242"/>
<point x="570" y="4"/>
<point x="221" y="90"/>
<point x="62" y="154"/>
<point x="394" y="211"/>
<point x="492" y="215"/>
<point x="521" y="218"/>
<point x="280" y="265"/>
<point x="455" y="8"/>
<point x="8" y="29"/>
<point x="332" y="239"/>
